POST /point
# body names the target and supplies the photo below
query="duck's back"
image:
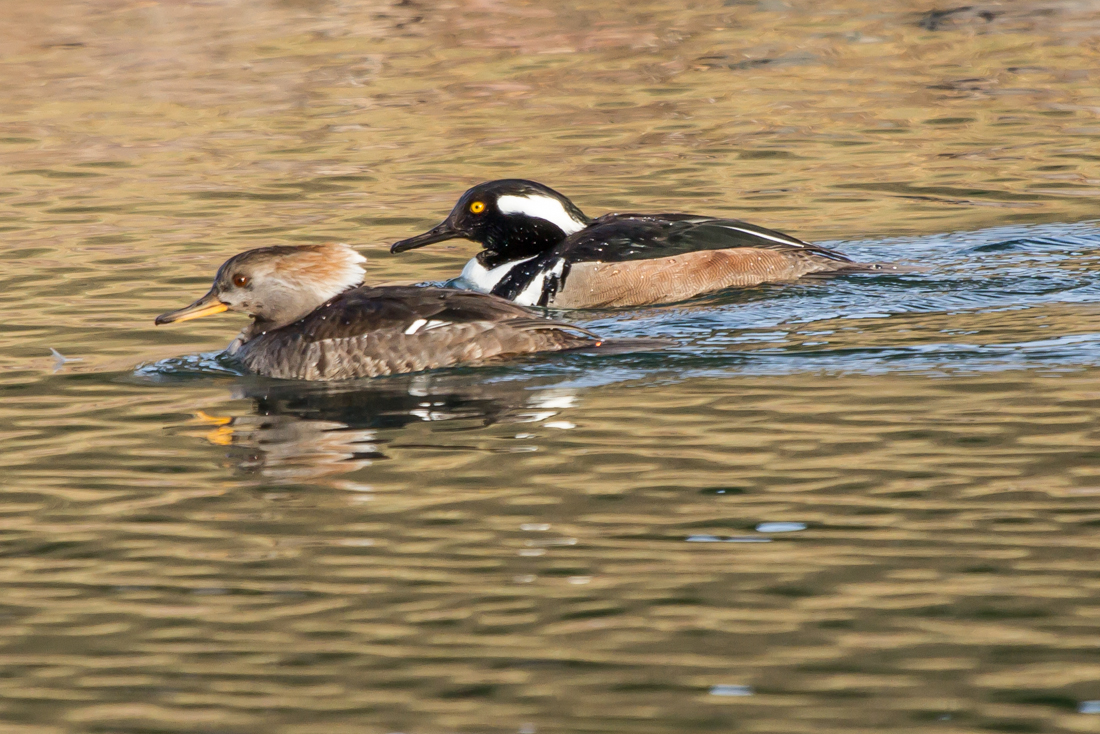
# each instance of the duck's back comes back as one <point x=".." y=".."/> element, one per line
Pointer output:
<point x="368" y="332"/>
<point x="632" y="237"/>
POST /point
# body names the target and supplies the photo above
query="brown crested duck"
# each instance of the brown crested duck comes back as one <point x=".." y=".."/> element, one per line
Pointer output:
<point x="313" y="319"/>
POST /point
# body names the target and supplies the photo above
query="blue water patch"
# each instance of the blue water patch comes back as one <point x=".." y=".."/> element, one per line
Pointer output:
<point x="731" y="690"/>
<point x="191" y="366"/>
<point x="1001" y="298"/>
<point x="780" y="527"/>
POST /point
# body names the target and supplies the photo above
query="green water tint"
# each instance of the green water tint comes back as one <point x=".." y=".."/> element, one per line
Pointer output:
<point x="573" y="543"/>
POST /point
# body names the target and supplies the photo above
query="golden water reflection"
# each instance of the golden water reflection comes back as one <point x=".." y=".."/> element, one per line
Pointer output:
<point x="300" y="434"/>
<point x="439" y="579"/>
<point x="562" y="545"/>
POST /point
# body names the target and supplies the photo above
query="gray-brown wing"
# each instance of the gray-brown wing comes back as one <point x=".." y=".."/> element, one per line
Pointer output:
<point x="364" y="310"/>
<point x="380" y="331"/>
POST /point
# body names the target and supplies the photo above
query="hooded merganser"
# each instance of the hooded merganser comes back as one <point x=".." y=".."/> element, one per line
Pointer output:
<point x="312" y="319"/>
<point x="541" y="250"/>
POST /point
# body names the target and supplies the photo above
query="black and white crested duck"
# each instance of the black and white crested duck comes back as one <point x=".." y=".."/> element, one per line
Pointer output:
<point x="541" y="250"/>
<point x="313" y="319"/>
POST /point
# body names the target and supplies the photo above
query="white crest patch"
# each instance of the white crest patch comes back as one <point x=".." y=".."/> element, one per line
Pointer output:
<point x="483" y="279"/>
<point x="542" y="207"/>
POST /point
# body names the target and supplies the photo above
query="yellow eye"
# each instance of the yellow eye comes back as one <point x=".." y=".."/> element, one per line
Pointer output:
<point x="477" y="207"/>
<point x="241" y="280"/>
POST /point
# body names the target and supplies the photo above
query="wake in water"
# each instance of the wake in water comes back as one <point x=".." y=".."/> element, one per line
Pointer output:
<point x="1004" y="298"/>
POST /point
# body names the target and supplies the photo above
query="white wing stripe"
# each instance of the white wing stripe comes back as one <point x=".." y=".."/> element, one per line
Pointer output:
<point x="763" y="235"/>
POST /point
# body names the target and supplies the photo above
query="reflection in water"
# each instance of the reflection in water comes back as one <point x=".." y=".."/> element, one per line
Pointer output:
<point x="919" y="452"/>
<point x="301" y="432"/>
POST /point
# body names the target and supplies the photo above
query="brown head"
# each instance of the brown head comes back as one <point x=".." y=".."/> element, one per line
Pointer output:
<point x="277" y="285"/>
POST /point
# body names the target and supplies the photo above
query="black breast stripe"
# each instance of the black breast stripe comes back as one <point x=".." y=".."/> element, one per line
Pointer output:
<point x="553" y="284"/>
<point x="519" y="277"/>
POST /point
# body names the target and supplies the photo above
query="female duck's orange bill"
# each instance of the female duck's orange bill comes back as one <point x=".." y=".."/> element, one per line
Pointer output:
<point x="208" y="305"/>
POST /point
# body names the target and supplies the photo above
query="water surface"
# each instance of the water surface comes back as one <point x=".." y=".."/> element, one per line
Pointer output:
<point x="865" y="503"/>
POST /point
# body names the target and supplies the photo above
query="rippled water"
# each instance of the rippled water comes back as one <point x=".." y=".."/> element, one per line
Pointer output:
<point x="865" y="503"/>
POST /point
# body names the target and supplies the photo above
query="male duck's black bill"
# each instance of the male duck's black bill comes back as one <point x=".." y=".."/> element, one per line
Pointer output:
<point x="208" y="305"/>
<point x="443" y="231"/>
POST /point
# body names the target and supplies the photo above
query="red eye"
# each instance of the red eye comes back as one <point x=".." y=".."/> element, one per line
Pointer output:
<point x="241" y="280"/>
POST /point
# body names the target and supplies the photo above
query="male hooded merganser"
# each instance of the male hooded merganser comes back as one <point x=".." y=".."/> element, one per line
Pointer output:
<point x="312" y="319"/>
<point x="541" y="250"/>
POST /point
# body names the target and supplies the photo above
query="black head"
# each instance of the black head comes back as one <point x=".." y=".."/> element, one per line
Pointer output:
<point x="512" y="217"/>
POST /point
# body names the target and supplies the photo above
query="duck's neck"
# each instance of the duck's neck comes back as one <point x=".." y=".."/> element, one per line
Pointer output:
<point x="290" y="313"/>
<point x="522" y="237"/>
<point x="258" y="327"/>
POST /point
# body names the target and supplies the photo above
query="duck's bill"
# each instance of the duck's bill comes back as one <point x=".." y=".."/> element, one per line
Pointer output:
<point x="439" y="233"/>
<point x="208" y="305"/>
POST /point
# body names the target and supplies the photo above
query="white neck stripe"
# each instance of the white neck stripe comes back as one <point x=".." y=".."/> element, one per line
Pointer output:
<point x="542" y="207"/>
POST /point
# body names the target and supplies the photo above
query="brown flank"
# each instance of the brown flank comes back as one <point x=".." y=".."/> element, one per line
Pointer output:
<point x="677" y="278"/>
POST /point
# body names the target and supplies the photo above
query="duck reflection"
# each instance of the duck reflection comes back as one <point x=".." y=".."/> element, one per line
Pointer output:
<point x="302" y="432"/>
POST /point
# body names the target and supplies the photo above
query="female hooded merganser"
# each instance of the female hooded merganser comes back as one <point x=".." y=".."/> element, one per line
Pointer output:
<point x="540" y="249"/>
<point x="312" y="319"/>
